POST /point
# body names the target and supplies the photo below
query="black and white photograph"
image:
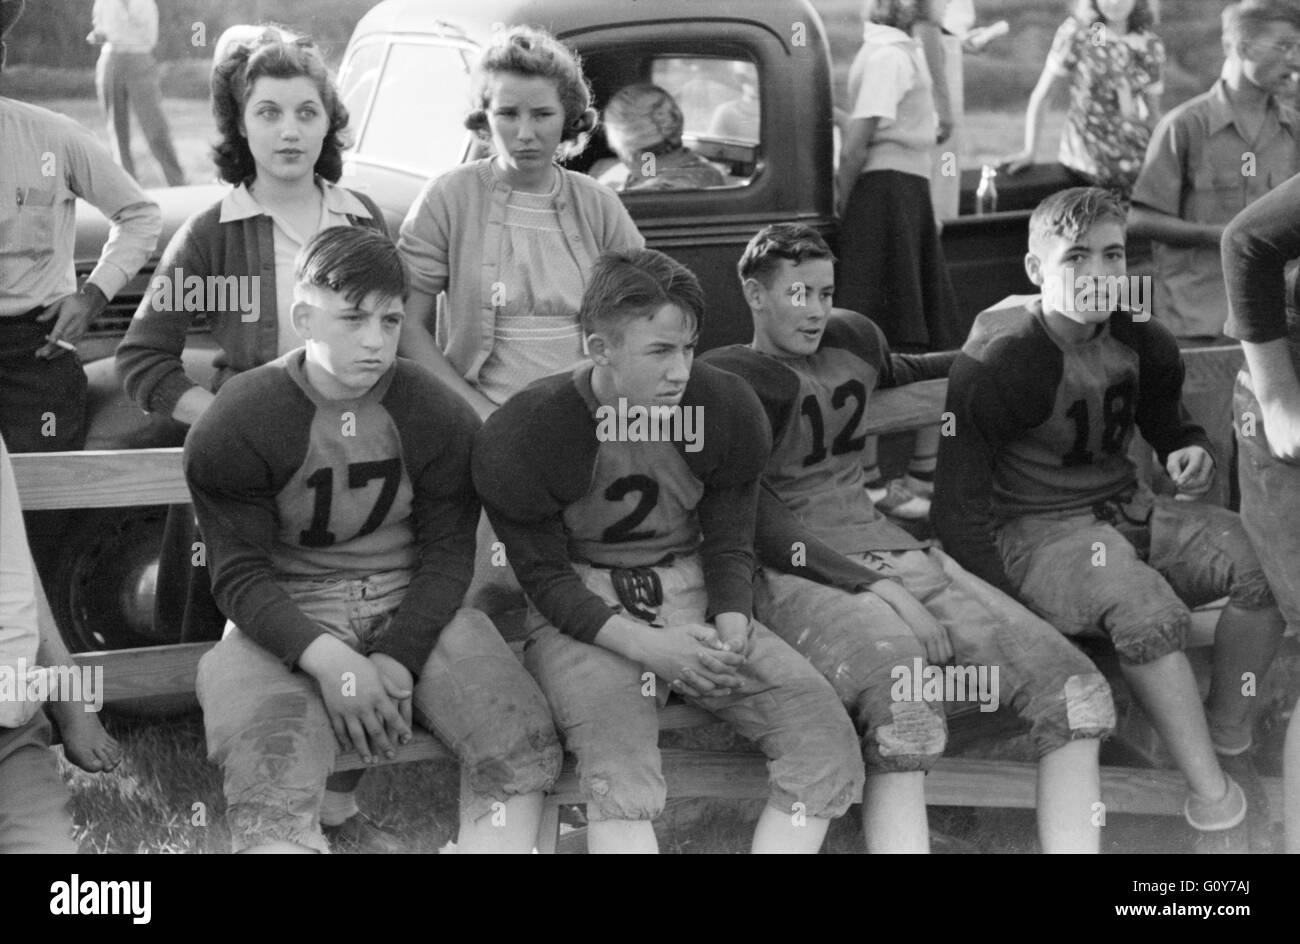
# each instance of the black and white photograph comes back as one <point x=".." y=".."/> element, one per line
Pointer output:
<point x="651" y="426"/>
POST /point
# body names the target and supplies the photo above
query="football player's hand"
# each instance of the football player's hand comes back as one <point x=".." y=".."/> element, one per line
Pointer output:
<point x="928" y="631"/>
<point x="356" y="698"/>
<point x="692" y="657"/>
<point x="68" y="319"/>
<point x="1017" y="163"/>
<point x="1282" y="430"/>
<point x="735" y="630"/>
<point x="400" y="685"/>
<point x="1192" y="469"/>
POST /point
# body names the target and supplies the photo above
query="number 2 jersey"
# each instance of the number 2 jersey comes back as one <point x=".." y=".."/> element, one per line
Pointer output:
<point x="561" y="484"/>
<point x="1043" y="424"/>
<point x="288" y="483"/>
<point x="814" y="485"/>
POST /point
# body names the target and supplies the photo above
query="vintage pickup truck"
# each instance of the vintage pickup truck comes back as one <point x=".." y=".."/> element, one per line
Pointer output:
<point x="405" y="77"/>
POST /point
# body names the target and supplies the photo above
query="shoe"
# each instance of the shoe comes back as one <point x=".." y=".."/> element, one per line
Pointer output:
<point x="899" y="501"/>
<point x="360" y="834"/>
<point x="1241" y="768"/>
<point x="919" y="487"/>
<point x="1219" y="815"/>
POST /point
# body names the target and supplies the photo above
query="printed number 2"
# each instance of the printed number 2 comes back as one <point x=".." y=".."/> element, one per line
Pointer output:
<point x="845" y="441"/>
<point x="621" y="530"/>
<point x="359" y="474"/>
<point x="1117" y="417"/>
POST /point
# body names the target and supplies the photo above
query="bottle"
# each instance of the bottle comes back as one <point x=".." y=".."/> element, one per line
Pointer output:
<point x="986" y="197"/>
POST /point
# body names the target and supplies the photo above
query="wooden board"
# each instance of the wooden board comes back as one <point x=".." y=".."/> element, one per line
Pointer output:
<point x="103" y="479"/>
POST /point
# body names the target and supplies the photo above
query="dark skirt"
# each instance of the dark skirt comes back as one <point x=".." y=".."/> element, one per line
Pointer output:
<point x="891" y="266"/>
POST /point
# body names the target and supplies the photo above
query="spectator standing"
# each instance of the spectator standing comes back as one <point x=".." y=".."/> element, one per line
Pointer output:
<point x="1114" y="65"/>
<point x="644" y="128"/>
<point x="126" y="79"/>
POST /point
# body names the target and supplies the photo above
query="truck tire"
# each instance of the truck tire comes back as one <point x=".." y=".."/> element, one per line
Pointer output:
<point x="102" y="588"/>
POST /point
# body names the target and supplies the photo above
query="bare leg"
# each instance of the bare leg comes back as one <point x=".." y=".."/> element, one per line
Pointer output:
<point x="1069" y="798"/>
<point x="622" y="836"/>
<point x="1166" y="689"/>
<point x="893" y="813"/>
<point x="1291" y="783"/>
<point x="1245" y="642"/>
<point x="780" y="832"/>
<point x="511" y="827"/>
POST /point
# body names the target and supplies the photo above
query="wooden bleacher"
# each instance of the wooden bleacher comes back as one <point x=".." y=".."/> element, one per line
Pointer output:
<point x="153" y="476"/>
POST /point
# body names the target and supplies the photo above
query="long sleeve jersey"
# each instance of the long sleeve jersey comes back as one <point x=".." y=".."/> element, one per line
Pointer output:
<point x="814" y="508"/>
<point x="559" y="491"/>
<point x="1043" y="425"/>
<point x="289" y="483"/>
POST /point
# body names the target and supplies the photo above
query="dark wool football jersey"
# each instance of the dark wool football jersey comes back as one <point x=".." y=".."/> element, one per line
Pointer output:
<point x="557" y="494"/>
<point x="1043" y="424"/>
<point x="817" y="407"/>
<point x="289" y="483"/>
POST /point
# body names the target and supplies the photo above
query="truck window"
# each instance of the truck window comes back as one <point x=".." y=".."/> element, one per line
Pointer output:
<point x="719" y="100"/>
<point x="357" y="80"/>
<point x="417" y="121"/>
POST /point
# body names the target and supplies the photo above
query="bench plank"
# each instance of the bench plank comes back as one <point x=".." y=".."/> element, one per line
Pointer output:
<point x="111" y="478"/>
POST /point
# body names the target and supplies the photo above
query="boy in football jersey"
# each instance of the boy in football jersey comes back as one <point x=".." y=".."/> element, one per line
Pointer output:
<point x="333" y="488"/>
<point x="1039" y="497"/>
<point x="863" y="600"/>
<point x="625" y="492"/>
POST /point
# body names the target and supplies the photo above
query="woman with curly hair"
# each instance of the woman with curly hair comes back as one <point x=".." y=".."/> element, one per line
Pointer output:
<point x="280" y="123"/>
<point x="510" y="239"/>
<point x="1115" y="66"/>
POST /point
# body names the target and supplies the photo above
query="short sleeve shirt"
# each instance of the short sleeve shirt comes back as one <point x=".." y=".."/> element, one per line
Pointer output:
<point x="1204" y="168"/>
<point x="1108" y="123"/>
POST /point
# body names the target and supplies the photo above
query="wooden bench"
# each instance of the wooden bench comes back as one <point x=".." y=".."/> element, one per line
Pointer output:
<point x="153" y="476"/>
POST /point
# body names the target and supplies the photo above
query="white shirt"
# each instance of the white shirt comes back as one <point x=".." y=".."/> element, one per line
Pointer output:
<point x="19" y="632"/>
<point x="127" y="25"/>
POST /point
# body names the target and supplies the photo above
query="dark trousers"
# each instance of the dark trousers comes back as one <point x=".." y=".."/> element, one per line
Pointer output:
<point x="42" y="409"/>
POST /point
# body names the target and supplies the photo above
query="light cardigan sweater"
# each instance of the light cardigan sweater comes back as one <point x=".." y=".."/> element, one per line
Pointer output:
<point x="223" y="241"/>
<point x="452" y="237"/>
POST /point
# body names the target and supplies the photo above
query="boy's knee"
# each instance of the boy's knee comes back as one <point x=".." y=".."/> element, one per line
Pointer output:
<point x="1250" y="589"/>
<point x="624" y="788"/>
<point x="1083" y="708"/>
<point x="267" y="818"/>
<point x="912" y="736"/>
<point x="1141" y="641"/>
<point x="821" y="768"/>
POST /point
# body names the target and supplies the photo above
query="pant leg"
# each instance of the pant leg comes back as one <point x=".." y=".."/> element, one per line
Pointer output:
<point x="267" y="729"/>
<point x="606" y="719"/>
<point x="857" y="642"/>
<point x="480" y="701"/>
<point x="145" y="98"/>
<point x="33" y="798"/>
<point x="111" y="87"/>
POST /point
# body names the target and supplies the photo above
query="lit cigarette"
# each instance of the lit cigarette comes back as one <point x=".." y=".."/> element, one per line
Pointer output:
<point x="66" y="345"/>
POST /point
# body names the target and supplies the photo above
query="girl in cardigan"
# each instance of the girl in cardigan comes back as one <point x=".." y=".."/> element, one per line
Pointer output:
<point x="510" y="239"/>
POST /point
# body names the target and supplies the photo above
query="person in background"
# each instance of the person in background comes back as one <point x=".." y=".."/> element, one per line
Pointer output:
<point x="126" y="79"/>
<point x="1114" y="66"/>
<point x="943" y="59"/>
<point x="1210" y="158"/>
<point x="738" y="118"/>
<point x="1259" y="246"/>
<point x="47" y="162"/>
<point x="891" y="265"/>
<point x="644" y="128"/>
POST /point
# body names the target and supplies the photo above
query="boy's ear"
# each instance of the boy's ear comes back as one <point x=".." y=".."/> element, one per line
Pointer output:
<point x="598" y="348"/>
<point x="1034" y="269"/>
<point x="753" y="291"/>
<point x="300" y="315"/>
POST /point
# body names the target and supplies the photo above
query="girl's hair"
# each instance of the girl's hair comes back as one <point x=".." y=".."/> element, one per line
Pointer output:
<point x="535" y="53"/>
<point x="1142" y="18"/>
<point x="276" y="54"/>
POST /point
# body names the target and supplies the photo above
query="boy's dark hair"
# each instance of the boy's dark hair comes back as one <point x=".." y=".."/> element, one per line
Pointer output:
<point x="793" y="241"/>
<point x="1142" y="18"/>
<point x="1248" y="18"/>
<point x="274" y="54"/>
<point x="535" y="53"/>
<point x="1071" y="213"/>
<point x="353" y="261"/>
<point x="636" y="283"/>
<point x="901" y="14"/>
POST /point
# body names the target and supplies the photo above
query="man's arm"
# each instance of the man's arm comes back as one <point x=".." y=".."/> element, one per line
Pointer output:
<point x="19" y="633"/>
<point x="784" y="543"/>
<point x="1257" y="245"/>
<point x="1171" y="230"/>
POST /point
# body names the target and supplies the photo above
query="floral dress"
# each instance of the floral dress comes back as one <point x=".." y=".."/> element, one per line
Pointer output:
<point x="1109" y="122"/>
